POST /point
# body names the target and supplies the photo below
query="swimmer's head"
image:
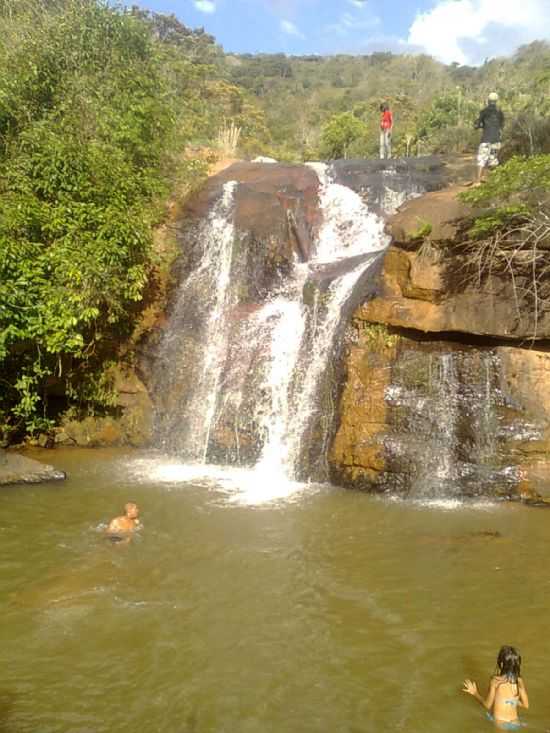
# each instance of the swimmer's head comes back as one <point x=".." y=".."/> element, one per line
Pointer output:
<point x="131" y="510"/>
<point x="509" y="663"/>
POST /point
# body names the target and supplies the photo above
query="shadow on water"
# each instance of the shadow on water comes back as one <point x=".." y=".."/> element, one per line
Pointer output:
<point x="77" y="581"/>
<point x="7" y="704"/>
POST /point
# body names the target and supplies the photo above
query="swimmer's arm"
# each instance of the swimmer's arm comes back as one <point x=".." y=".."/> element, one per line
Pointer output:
<point x="522" y="690"/>
<point x="471" y="688"/>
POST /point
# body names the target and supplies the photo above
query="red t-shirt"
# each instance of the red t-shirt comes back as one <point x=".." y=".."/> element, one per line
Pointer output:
<point x="386" y="122"/>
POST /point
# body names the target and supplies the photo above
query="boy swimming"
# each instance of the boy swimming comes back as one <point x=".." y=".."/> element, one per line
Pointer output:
<point x="121" y="528"/>
<point x="506" y="693"/>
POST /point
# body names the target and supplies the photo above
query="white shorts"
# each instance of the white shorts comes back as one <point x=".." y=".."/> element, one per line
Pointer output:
<point x="487" y="155"/>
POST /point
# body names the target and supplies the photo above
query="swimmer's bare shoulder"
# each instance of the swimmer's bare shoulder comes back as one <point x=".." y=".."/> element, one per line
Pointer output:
<point x="120" y="524"/>
<point x="127" y="523"/>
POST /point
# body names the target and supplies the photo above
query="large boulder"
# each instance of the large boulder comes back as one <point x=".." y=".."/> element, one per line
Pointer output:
<point x="275" y="205"/>
<point x="18" y="469"/>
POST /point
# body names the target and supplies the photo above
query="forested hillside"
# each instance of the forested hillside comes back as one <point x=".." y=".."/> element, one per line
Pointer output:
<point x="434" y="105"/>
<point x="98" y="110"/>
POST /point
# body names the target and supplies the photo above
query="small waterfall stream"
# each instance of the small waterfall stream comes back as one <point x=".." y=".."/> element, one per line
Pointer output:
<point x="207" y="290"/>
<point x="253" y="384"/>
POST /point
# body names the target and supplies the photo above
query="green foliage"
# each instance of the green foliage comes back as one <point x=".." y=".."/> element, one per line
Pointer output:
<point x="434" y="105"/>
<point x="378" y="336"/>
<point x="511" y="192"/>
<point x="342" y="136"/>
<point x="424" y="229"/>
<point x="96" y="105"/>
<point x="489" y="222"/>
<point x="529" y="177"/>
<point x="448" y="125"/>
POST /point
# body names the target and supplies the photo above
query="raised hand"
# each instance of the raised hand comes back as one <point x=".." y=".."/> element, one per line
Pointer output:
<point x="470" y="687"/>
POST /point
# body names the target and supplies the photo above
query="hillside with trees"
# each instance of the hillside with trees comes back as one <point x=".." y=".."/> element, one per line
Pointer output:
<point x="434" y="105"/>
<point x="99" y="110"/>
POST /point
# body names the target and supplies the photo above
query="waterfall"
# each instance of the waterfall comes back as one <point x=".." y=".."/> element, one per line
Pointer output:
<point x="246" y="384"/>
<point x="450" y="435"/>
<point x="210" y="284"/>
<point x="349" y="230"/>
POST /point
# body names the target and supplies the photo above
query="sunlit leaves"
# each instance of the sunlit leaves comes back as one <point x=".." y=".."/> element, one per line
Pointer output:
<point x="91" y="103"/>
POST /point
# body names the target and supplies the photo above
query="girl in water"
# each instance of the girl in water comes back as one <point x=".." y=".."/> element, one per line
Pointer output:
<point x="506" y="691"/>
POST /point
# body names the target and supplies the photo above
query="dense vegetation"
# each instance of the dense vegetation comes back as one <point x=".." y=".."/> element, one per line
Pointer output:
<point x="105" y="111"/>
<point x="96" y="108"/>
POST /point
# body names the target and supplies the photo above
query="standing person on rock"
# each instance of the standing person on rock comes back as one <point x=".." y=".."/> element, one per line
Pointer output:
<point x="386" y="127"/>
<point x="491" y="121"/>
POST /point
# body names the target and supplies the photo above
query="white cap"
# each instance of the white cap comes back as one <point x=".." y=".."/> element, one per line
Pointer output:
<point x="493" y="97"/>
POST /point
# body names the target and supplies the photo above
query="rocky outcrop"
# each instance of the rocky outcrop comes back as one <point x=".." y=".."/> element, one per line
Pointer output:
<point x="446" y="375"/>
<point x="431" y="283"/>
<point x="130" y="425"/>
<point x="429" y="417"/>
<point x="275" y="216"/>
<point x="18" y="469"/>
<point x="387" y="184"/>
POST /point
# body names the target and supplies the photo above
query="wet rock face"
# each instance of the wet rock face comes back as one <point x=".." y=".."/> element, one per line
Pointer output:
<point x="274" y="215"/>
<point x="446" y="369"/>
<point x="276" y="209"/>
<point x="431" y="418"/>
<point x="130" y="426"/>
<point x="387" y="184"/>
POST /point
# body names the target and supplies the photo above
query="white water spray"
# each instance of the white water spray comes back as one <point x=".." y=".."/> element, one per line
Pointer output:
<point x="209" y="283"/>
<point x="349" y="230"/>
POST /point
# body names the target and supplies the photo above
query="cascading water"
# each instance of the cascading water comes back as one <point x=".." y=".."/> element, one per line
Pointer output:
<point x="349" y="237"/>
<point x="210" y="286"/>
<point x="248" y="390"/>
<point x="452" y="425"/>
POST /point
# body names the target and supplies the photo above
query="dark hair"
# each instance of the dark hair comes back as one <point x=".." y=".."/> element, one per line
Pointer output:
<point x="509" y="663"/>
<point x="384" y="107"/>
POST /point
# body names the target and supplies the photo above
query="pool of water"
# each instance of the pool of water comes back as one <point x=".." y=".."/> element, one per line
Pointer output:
<point x="249" y="607"/>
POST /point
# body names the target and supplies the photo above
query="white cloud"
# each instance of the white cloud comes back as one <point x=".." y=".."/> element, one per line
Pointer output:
<point x="205" y="6"/>
<point x="288" y="27"/>
<point x="358" y="3"/>
<point x="348" y="22"/>
<point x="469" y="30"/>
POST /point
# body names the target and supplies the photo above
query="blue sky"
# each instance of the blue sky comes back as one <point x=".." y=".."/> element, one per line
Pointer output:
<point x="466" y="31"/>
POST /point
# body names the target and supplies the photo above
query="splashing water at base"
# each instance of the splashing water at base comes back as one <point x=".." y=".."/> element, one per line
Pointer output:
<point x="246" y="487"/>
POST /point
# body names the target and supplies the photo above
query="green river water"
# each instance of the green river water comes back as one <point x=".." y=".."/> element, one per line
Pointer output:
<point x="320" y="611"/>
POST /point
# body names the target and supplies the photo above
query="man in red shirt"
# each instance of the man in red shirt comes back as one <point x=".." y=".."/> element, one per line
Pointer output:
<point x="386" y="127"/>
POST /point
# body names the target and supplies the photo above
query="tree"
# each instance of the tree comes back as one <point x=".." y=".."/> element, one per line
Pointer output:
<point x="95" y="110"/>
<point x="342" y="134"/>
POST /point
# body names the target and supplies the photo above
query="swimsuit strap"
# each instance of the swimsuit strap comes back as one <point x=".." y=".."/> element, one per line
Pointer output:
<point x="511" y="701"/>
